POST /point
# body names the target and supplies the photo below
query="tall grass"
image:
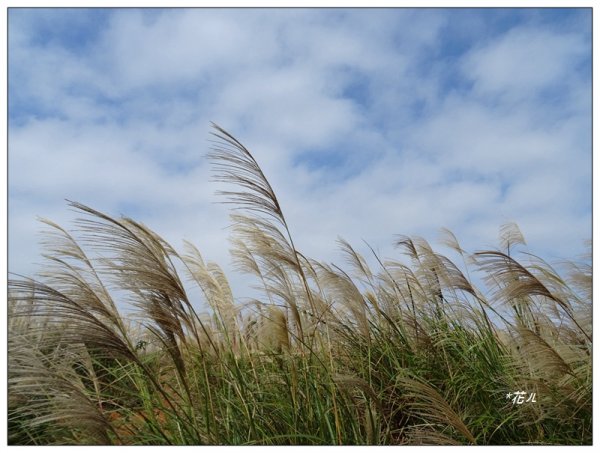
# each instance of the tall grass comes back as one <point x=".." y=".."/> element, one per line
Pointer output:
<point x="106" y="347"/>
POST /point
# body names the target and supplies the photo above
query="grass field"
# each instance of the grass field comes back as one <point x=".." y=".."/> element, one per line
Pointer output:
<point x="410" y="352"/>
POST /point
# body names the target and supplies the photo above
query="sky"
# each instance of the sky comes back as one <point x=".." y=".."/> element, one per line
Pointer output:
<point x="369" y="123"/>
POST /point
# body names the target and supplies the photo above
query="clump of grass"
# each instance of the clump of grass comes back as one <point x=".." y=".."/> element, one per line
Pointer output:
<point x="107" y="347"/>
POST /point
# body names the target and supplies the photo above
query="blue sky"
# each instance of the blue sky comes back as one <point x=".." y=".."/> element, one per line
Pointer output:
<point x="369" y="123"/>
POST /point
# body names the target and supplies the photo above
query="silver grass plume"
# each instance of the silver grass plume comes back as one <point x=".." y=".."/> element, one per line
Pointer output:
<point x="234" y="164"/>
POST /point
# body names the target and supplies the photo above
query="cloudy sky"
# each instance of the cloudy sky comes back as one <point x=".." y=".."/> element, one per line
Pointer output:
<point x="368" y="123"/>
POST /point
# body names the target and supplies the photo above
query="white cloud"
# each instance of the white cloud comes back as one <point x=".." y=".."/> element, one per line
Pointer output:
<point x="350" y="114"/>
<point x="524" y="62"/>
